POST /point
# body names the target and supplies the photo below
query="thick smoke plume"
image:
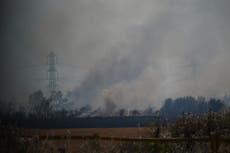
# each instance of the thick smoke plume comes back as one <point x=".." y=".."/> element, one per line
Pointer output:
<point x="134" y="53"/>
<point x="174" y="52"/>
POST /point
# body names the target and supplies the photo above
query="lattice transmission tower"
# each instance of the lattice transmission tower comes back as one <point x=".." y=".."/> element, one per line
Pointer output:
<point x="52" y="72"/>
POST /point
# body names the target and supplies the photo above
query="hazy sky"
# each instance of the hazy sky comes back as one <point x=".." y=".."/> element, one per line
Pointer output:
<point x="135" y="52"/>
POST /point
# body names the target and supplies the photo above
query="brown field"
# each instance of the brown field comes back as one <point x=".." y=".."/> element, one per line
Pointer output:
<point x="103" y="132"/>
<point x="73" y="145"/>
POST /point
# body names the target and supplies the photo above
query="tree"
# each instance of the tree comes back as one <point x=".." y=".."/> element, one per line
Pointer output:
<point x="215" y="105"/>
<point x="149" y="111"/>
<point x="6" y="108"/>
<point x="167" y="109"/>
<point x="135" y="112"/>
<point x="85" y="109"/>
<point x="40" y="106"/>
<point x="122" y="112"/>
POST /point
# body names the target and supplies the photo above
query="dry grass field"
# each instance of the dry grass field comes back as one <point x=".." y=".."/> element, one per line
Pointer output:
<point x="74" y="145"/>
<point x="104" y="132"/>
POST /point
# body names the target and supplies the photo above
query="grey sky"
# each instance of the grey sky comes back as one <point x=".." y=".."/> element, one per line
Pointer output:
<point x="134" y="52"/>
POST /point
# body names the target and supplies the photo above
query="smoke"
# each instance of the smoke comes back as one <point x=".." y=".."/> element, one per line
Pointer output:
<point x="136" y="53"/>
<point x="176" y="52"/>
<point x="126" y="67"/>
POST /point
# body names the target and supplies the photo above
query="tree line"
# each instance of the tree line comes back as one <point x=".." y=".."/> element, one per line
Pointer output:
<point x="60" y="106"/>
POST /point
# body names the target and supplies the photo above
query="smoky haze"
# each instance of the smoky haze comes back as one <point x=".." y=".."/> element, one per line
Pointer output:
<point x="135" y="53"/>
